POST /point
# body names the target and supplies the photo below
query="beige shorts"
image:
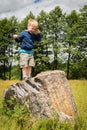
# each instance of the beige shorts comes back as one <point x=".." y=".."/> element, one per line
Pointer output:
<point x="26" y="60"/>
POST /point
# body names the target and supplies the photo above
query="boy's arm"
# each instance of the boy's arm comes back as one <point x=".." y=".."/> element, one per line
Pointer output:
<point x="18" y="38"/>
<point x="38" y="35"/>
<point x="37" y="31"/>
<point x="15" y="36"/>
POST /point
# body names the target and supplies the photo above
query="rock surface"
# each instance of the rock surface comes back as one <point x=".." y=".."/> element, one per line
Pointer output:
<point x="47" y="94"/>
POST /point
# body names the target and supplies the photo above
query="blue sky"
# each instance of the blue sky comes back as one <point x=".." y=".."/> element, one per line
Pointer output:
<point x="20" y="8"/>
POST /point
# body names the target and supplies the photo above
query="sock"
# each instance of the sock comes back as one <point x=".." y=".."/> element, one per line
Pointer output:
<point x="29" y="76"/>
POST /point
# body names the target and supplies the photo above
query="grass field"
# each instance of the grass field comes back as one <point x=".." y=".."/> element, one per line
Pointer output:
<point x="5" y="84"/>
<point x="79" y="90"/>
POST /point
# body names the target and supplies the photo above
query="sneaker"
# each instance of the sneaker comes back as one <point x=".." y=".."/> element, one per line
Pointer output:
<point x="29" y="77"/>
<point x="25" y="78"/>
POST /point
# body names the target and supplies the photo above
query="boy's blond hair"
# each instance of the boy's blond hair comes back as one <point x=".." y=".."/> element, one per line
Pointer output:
<point x="33" y="22"/>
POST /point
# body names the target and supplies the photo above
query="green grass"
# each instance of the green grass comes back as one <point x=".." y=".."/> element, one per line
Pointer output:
<point x="79" y="90"/>
<point x="20" y="119"/>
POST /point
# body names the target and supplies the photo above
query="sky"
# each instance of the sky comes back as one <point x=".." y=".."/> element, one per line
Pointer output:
<point x="21" y="8"/>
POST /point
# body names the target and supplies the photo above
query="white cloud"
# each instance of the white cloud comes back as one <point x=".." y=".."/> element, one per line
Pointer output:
<point x="20" y="8"/>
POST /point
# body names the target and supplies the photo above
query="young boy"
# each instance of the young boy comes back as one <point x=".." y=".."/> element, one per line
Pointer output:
<point x="27" y="39"/>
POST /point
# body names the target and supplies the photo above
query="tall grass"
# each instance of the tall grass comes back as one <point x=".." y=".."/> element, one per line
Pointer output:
<point x="21" y="118"/>
<point x="5" y="122"/>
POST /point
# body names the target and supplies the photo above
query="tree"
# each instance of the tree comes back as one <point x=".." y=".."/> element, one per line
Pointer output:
<point x="56" y="26"/>
<point x="6" y="47"/>
<point x="80" y="57"/>
<point x="41" y="49"/>
<point x="70" y="37"/>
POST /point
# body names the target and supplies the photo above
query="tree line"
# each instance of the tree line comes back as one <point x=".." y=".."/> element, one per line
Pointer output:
<point x="63" y="45"/>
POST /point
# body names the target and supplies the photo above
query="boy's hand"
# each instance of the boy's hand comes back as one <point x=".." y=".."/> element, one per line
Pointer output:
<point x="37" y="31"/>
<point x="15" y="36"/>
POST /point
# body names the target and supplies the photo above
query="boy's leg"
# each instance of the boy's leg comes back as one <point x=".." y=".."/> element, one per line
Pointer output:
<point x="30" y="65"/>
<point x="24" y="65"/>
<point x="29" y="71"/>
<point x="25" y="72"/>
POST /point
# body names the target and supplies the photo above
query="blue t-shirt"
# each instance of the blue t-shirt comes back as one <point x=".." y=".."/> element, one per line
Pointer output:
<point x="26" y="51"/>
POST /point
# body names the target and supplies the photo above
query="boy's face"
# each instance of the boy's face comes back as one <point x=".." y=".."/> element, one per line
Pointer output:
<point x="32" y="29"/>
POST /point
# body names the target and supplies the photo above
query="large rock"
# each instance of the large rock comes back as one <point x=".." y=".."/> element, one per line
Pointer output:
<point x="47" y="94"/>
